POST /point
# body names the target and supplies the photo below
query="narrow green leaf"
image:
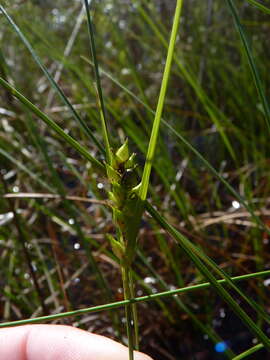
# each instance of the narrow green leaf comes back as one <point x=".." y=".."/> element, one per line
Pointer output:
<point x="260" y="6"/>
<point x="248" y="352"/>
<point x="218" y="118"/>
<point x="119" y="304"/>
<point x="251" y="61"/>
<point x="99" y="89"/>
<point x="160" y="105"/>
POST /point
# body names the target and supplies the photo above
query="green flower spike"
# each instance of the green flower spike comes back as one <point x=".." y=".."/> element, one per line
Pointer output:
<point x="122" y="154"/>
<point x="130" y="162"/>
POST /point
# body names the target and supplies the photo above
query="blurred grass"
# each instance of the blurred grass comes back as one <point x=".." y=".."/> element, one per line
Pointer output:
<point x="212" y="101"/>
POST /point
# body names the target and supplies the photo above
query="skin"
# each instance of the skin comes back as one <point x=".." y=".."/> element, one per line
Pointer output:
<point x="59" y="342"/>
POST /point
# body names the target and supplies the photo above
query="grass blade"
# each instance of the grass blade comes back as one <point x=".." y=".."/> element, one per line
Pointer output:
<point x="248" y="352"/>
<point x="218" y="118"/>
<point x="158" y="114"/>
<point x="251" y="61"/>
<point x="97" y="76"/>
<point x="260" y="6"/>
<point x="119" y="304"/>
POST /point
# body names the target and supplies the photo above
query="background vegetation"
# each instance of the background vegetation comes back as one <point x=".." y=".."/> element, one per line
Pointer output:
<point x="54" y="254"/>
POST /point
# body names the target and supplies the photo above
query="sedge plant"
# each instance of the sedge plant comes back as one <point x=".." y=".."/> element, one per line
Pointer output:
<point x="127" y="196"/>
<point x="127" y="193"/>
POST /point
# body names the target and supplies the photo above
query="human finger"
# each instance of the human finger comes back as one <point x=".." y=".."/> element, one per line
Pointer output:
<point x="59" y="342"/>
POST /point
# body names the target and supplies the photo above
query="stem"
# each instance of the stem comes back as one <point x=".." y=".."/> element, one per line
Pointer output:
<point x="248" y="352"/>
<point x="128" y="311"/>
<point x="134" y="312"/>
<point x="259" y="6"/>
<point x="98" y="82"/>
<point x="253" y="67"/>
<point x="118" y="304"/>
<point x="161" y="100"/>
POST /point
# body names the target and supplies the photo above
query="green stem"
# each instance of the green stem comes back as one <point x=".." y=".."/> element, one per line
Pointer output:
<point x="128" y="311"/>
<point x="251" y="61"/>
<point x="98" y="82"/>
<point x="248" y="352"/>
<point x="259" y="6"/>
<point x="160" y="105"/>
<point x="134" y="312"/>
<point x="119" y="304"/>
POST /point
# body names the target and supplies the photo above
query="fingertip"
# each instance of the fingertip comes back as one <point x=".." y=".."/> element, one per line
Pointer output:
<point x="141" y="356"/>
<point x="43" y="342"/>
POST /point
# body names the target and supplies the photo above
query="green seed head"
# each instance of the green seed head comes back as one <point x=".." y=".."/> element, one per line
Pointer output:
<point x="122" y="154"/>
<point x="130" y="163"/>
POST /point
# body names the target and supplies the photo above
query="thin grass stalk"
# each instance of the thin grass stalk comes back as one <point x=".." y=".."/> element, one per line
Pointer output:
<point x="128" y="311"/>
<point x="98" y="83"/>
<point x="251" y="61"/>
<point x="37" y="195"/>
<point x="119" y="304"/>
<point x="248" y="352"/>
<point x="131" y="314"/>
<point x="215" y="114"/>
<point x="160" y="105"/>
<point x="134" y="312"/>
<point x="8" y="286"/>
<point x="138" y="207"/>
<point x="260" y="6"/>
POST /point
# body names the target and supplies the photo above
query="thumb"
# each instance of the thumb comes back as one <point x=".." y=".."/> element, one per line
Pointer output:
<point x="58" y="342"/>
